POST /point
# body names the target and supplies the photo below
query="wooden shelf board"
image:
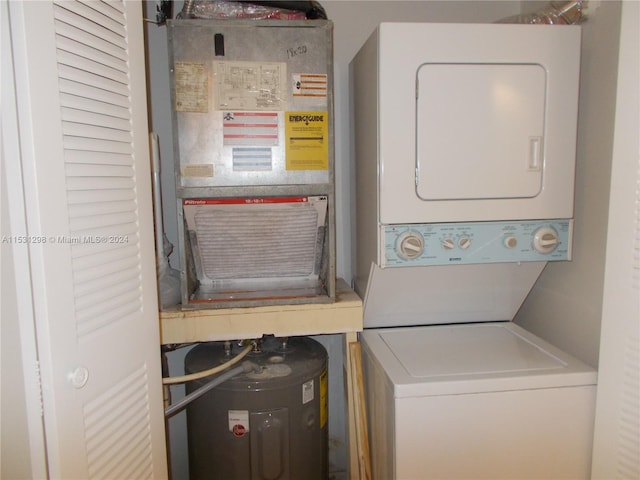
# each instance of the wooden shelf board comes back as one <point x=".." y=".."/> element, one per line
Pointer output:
<point x="205" y="325"/>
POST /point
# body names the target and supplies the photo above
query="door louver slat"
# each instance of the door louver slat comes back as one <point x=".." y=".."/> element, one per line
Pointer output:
<point x="92" y="80"/>
<point x="103" y="419"/>
<point x="110" y="8"/>
<point x="99" y="221"/>
<point x="89" y="210"/>
<point x="97" y="145"/>
<point x="92" y="272"/>
<point x="80" y="62"/>
<point x="95" y="119"/>
<point x="92" y="93"/>
<point x="97" y="315"/>
<point x="75" y="102"/>
<point x="73" y="47"/>
<point x="91" y="21"/>
<point x="104" y="158"/>
<point x="67" y="31"/>
<point x="94" y="288"/>
<point x="96" y="133"/>
<point x="91" y="196"/>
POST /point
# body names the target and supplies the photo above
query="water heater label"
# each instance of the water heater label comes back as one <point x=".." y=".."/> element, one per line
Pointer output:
<point x="238" y="422"/>
<point x="307" y="392"/>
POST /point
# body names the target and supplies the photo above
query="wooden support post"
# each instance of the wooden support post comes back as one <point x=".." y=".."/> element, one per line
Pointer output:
<point x="360" y="458"/>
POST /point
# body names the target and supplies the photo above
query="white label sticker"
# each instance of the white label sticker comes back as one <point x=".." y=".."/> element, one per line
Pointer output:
<point x="307" y="392"/>
<point x="251" y="85"/>
<point x="191" y="87"/>
<point x="250" y="128"/>
<point x="310" y="87"/>
<point x="197" y="170"/>
<point x="238" y="422"/>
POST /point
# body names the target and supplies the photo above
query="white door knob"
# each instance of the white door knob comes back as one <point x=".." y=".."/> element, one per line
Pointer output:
<point x="79" y="377"/>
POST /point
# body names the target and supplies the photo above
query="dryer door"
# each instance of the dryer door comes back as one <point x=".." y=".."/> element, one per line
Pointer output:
<point x="474" y="122"/>
<point x="479" y="131"/>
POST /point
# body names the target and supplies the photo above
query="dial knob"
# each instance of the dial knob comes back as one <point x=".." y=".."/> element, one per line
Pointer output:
<point x="410" y="245"/>
<point x="545" y="240"/>
<point x="448" y="244"/>
<point x="464" y="243"/>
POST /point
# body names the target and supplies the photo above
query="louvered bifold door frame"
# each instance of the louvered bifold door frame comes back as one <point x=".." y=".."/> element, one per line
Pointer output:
<point x="85" y="156"/>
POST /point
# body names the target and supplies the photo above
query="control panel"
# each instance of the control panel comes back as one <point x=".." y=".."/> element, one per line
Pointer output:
<point x="476" y="242"/>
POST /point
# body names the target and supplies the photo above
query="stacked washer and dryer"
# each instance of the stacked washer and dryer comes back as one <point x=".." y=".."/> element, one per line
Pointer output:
<point x="465" y="143"/>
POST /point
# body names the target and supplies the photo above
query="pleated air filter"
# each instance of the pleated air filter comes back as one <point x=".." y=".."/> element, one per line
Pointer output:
<point x="257" y="243"/>
<point x="253" y="240"/>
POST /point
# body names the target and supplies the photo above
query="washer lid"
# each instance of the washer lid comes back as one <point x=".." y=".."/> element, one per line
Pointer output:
<point x="472" y="358"/>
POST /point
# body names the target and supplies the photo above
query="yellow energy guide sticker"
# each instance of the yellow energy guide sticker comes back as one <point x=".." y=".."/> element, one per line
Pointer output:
<point x="307" y="140"/>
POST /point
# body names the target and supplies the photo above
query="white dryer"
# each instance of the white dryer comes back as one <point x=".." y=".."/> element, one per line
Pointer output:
<point x="465" y="155"/>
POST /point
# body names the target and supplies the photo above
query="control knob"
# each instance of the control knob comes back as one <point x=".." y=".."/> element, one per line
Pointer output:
<point x="410" y="245"/>
<point x="545" y="240"/>
<point x="510" y="242"/>
<point x="448" y="244"/>
<point x="464" y="243"/>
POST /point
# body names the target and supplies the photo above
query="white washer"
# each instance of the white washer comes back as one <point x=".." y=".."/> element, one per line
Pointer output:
<point x="464" y="140"/>
<point x="486" y="400"/>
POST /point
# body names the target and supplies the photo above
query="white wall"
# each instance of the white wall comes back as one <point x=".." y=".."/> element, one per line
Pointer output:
<point x="565" y="306"/>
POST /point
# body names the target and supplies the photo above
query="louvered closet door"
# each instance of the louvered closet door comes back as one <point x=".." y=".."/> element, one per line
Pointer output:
<point x="80" y="81"/>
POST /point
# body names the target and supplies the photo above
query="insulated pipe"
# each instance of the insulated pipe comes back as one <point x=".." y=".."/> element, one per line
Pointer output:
<point x="157" y="196"/>
<point x="182" y="403"/>
<point x="211" y="371"/>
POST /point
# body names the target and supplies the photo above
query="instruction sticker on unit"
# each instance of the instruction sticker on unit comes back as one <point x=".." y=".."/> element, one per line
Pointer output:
<point x="250" y="128"/>
<point x="191" y="87"/>
<point x="197" y="170"/>
<point x="251" y="85"/>
<point x="252" y="159"/>
<point x="310" y="88"/>
<point x="238" y="422"/>
<point x="307" y="142"/>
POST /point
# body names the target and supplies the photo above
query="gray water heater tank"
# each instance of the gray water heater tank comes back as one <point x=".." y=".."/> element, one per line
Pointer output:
<point x="268" y="424"/>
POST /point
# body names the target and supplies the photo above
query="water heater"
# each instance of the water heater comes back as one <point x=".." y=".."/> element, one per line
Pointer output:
<point x="270" y="423"/>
